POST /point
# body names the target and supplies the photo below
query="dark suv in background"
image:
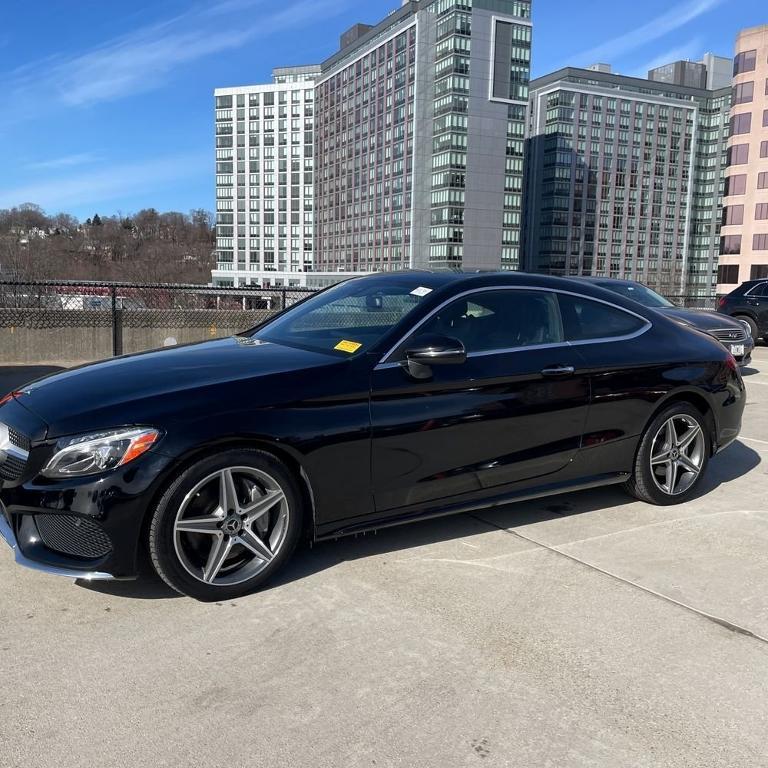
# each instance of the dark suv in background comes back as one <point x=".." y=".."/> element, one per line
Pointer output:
<point x="749" y="302"/>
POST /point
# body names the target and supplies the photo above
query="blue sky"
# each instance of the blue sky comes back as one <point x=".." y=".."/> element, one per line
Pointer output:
<point x="107" y="107"/>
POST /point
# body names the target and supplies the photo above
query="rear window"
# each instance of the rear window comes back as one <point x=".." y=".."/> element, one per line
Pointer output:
<point x="587" y="320"/>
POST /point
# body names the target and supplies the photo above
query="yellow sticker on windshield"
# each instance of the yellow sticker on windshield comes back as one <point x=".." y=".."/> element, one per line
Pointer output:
<point x="348" y="346"/>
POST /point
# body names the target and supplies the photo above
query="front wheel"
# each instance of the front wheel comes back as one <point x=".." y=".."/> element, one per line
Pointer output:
<point x="753" y="329"/>
<point x="226" y="525"/>
<point x="672" y="458"/>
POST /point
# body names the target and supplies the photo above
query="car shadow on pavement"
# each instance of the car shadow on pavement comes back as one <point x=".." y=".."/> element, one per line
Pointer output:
<point x="733" y="463"/>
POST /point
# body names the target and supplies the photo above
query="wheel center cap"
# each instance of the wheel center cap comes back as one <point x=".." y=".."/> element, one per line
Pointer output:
<point x="674" y="454"/>
<point x="232" y="525"/>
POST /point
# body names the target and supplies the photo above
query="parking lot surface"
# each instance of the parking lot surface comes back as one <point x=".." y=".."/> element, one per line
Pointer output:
<point x="580" y="630"/>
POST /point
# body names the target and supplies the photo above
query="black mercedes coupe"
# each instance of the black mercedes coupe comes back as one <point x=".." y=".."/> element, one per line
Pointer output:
<point x="381" y="400"/>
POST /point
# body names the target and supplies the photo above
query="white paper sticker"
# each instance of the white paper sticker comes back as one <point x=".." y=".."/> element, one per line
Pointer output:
<point x="421" y="291"/>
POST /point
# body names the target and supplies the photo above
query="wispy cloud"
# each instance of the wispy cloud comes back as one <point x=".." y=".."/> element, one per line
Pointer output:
<point x="107" y="183"/>
<point x="616" y="48"/>
<point x="67" y="161"/>
<point x="145" y="59"/>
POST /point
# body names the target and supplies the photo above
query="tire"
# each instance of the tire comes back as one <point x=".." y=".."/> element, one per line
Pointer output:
<point x="752" y="326"/>
<point x="226" y="525"/>
<point x="650" y="482"/>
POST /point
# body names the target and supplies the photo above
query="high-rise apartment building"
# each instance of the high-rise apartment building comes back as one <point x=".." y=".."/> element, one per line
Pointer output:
<point x="419" y="142"/>
<point x="624" y="178"/>
<point x="744" y="242"/>
<point x="264" y="180"/>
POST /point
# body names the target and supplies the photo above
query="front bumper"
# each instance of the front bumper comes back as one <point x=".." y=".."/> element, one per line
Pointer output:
<point x="82" y="528"/>
<point x="7" y="534"/>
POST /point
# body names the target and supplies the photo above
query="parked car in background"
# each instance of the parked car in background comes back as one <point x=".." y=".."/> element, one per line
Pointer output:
<point x="748" y="303"/>
<point x="734" y="334"/>
<point x="382" y="400"/>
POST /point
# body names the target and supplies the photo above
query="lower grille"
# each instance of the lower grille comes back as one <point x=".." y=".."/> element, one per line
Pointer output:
<point x="733" y="335"/>
<point x="76" y="536"/>
<point x="11" y="468"/>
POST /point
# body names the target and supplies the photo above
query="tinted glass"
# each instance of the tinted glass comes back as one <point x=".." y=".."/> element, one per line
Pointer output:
<point x="736" y="185"/>
<point x="741" y="123"/>
<point x="491" y="320"/>
<point x="745" y="62"/>
<point x="639" y="293"/>
<point x="728" y="273"/>
<point x="733" y="214"/>
<point x="347" y="318"/>
<point x="585" y="319"/>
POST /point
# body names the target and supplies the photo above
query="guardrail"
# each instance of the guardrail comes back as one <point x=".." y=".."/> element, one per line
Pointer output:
<point x="114" y="318"/>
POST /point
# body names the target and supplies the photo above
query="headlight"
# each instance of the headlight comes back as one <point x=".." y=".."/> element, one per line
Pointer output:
<point x="746" y="325"/>
<point x="99" y="452"/>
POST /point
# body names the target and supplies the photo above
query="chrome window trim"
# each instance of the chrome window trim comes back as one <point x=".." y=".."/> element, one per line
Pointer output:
<point x="759" y="285"/>
<point x="647" y="324"/>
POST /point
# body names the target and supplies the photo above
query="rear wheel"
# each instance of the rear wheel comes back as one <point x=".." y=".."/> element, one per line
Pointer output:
<point x="226" y="525"/>
<point x="672" y="458"/>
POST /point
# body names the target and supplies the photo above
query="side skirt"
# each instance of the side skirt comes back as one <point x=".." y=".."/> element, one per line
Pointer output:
<point x="349" y="528"/>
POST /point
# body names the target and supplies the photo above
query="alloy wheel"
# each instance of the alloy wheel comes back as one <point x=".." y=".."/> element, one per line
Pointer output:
<point x="677" y="454"/>
<point x="231" y="526"/>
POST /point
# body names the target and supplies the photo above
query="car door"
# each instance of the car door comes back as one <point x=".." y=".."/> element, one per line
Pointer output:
<point x="757" y="303"/>
<point x="515" y="410"/>
<point x="627" y="374"/>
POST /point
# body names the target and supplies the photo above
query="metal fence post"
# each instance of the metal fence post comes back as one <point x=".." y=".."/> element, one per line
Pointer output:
<point x="117" y="325"/>
<point x="283" y="293"/>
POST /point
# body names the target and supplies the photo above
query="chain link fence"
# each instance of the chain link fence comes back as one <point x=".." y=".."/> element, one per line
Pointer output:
<point x="69" y="322"/>
<point x="90" y="320"/>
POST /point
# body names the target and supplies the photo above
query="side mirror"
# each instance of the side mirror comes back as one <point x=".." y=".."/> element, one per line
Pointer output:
<point x="431" y="349"/>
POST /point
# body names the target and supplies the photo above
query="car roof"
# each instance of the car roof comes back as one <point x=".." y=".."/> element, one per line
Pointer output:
<point x="448" y="281"/>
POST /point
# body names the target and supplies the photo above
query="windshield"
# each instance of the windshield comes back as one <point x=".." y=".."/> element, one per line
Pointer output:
<point x="638" y="293"/>
<point x="348" y="318"/>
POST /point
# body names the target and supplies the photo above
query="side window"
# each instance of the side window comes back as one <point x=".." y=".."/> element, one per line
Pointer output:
<point x="760" y="290"/>
<point x="490" y="320"/>
<point x="585" y="319"/>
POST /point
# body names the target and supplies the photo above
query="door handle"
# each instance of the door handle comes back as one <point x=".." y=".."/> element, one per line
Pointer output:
<point x="558" y="370"/>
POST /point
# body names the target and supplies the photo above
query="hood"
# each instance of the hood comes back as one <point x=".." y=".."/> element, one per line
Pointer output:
<point x="149" y="384"/>
<point x="701" y="319"/>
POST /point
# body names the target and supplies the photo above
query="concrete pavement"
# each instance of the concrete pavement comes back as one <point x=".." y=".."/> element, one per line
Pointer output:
<point x="580" y="630"/>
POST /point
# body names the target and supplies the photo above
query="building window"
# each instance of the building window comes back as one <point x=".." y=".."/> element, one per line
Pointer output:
<point x="765" y="118"/>
<point x="730" y="244"/>
<point x="733" y="214"/>
<point x="745" y="62"/>
<point x="741" y="124"/>
<point x="764" y="149"/>
<point x="738" y="154"/>
<point x="761" y="211"/>
<point x="736" y="185"/>
<point x="743" y="93"/>
<point x="762" y="180"/>
<point x="510" y="68"/>
<point x="760" y="242"/>
<point x="758" y="272"/>
<point x="728" y="273"/>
